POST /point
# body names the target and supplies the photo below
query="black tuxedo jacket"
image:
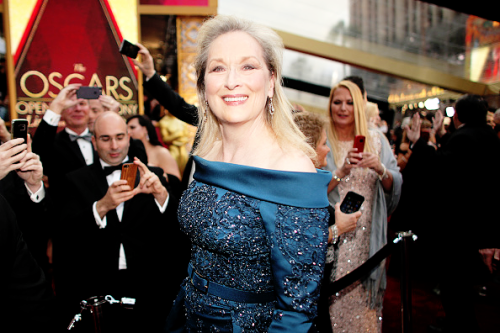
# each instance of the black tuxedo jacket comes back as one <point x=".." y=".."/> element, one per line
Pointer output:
<point x="59" y="155"/>
<point x="31" y="217"/>
<point x="27" y="299"/>
<point x="178" y="107"/>
<point x="171" y="100"/>
<point x="464" y="189"/>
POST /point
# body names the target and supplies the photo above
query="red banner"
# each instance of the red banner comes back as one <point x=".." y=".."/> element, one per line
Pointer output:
<point x="175" y="2"/>
<point x="69" y="41"/>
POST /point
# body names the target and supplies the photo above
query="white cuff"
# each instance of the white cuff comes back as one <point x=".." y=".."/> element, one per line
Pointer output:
<point x="38" y="195"/>
<point x="101" y="223"/>
<point x="51" y="118"/>
<point x="164" y="207"/>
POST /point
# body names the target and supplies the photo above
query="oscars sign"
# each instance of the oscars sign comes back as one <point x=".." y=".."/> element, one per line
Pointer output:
<point x="60" y="42"/>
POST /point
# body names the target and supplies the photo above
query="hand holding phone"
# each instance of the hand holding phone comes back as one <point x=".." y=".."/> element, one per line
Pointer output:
<point x="20" y="130"/>
<point x="129" y="172"/>
<point x="351" y="203"/>
<point x="129" y="49"/>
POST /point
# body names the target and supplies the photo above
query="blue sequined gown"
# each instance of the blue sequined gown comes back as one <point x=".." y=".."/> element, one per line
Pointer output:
<point x="259" y="231"/>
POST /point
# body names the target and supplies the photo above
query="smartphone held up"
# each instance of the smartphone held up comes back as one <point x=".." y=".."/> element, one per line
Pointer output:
<point x="89" y="92"/>
<point x="128" y="49"/>
<point x="20" y="129"/>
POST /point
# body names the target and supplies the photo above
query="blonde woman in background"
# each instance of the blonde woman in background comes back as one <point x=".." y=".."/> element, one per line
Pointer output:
<point x="373" y="174"/>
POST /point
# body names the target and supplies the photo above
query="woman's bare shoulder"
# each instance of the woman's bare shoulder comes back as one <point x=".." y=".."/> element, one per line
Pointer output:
<point x="293" y="160"/>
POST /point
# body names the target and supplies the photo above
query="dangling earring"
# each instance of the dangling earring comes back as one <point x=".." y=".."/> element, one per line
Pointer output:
<point x="271" y="106"/>
<point x="207" y="107"/>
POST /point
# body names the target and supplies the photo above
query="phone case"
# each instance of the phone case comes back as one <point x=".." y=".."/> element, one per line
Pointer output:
<point x="351" y="203"/>
<point x="89" y="92"/>
<point x="129" y="172"/>
<point x="359" y="142"/>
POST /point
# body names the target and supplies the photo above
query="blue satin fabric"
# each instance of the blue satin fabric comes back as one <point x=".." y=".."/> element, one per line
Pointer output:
<point x="256" y="230"/>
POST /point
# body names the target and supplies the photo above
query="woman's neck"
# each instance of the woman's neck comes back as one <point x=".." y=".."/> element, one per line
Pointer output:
<point x="345" y="133"/>
<point x="245" y="144"/>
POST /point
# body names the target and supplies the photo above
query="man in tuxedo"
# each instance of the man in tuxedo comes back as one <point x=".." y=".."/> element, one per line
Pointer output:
<point x="70" y="149"/>
<point x="121" y="239"/>
<point x="463" y="221"/>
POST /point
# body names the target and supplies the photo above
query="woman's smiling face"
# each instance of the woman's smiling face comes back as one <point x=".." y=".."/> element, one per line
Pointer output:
<point x="342" y="108"/>
<point x="237" y="80"/>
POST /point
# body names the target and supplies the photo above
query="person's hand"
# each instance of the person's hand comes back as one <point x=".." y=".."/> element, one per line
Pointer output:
<point x="351" y="161"/>
<point x="146" y="65"/>
<point x="109" y="103"/>
<point x="31" y="171"/>
<point x="117" y="193"/>
<point x="4" y="132"/>
<point x="65" y="99"/>
<point x="9" y="160"/>
<point x="437" y="124"/>
<point x="372" y="161"/>
<point x="413" y="132"/>
<point x="150" y="183"/>
<point x="345" y="222"/>
<point x="487" y="255"/>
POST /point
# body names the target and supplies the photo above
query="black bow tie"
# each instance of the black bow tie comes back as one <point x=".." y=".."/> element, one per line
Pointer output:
<point x="87" y="137"/>
<point x="110" y="169"/>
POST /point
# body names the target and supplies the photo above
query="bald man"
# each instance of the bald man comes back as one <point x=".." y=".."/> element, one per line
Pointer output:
<point x="121" y="239"/>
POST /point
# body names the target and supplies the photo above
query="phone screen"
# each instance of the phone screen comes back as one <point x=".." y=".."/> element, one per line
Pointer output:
<point x="20" y="129"/>
<point x="351" y="203"/>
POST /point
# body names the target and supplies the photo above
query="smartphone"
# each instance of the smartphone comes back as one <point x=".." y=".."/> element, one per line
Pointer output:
<point x="129" y="172"/>
<point x="129" y="49"/>
<point x="89" y="92"/>
<point x="359" y="142"/>
<point x="351" y="203"/>
<point x="20" y="129"/>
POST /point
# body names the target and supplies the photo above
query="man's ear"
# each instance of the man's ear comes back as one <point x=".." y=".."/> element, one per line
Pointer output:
<point x="93" y="142"/>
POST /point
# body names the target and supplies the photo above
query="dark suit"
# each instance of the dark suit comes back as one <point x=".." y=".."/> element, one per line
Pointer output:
<point x="150" y="240"/>
<point x="31" y="217"/>
<point x="27" y="299"/>
<point x="464" y="219"/>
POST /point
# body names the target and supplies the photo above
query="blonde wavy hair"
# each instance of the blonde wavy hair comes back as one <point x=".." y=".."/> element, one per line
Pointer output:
<point x="281" y="123"/>
<point x="360" y="122"/>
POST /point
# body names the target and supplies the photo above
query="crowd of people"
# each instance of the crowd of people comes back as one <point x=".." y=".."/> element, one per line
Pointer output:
<point x="251" y="235"/>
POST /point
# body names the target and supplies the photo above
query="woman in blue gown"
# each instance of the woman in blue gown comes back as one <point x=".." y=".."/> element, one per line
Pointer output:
<point x="256" y="211"/>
